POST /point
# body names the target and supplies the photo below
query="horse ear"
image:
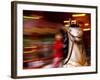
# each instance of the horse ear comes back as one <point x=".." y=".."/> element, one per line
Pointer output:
<point x="74" y="25"/>
<point x="64" y="28"/>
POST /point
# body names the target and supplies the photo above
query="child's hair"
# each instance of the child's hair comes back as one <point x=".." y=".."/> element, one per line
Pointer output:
<point x="59" y="36"/>
<point x="58" y="33"/>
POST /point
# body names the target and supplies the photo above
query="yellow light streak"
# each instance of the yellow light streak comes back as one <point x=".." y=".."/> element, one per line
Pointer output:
<point x="86" y="29"/>
<point x="78" y="15"/>
<point x="32" y="17"/>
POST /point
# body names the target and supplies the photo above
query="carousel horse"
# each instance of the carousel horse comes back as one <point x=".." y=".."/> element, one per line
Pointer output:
<point x="76" y="52"/>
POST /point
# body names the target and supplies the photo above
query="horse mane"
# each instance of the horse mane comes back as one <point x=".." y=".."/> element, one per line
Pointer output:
<point x="65" y="36"/>
<point x="65" y="49"/>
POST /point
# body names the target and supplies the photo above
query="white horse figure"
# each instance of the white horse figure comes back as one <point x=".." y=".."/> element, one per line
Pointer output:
<point x="76" y="53"/>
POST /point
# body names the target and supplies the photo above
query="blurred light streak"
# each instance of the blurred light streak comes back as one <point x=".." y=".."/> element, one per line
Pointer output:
<point x="78" y="15"/>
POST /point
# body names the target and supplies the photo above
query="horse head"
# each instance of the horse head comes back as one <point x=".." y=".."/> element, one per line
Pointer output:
<point x="75" y="32"/>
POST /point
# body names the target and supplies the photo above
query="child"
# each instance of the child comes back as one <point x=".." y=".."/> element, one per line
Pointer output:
<point x="58" y="50"/>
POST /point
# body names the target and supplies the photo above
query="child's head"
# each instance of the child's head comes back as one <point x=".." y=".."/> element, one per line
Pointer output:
<point x="58" y="36"/>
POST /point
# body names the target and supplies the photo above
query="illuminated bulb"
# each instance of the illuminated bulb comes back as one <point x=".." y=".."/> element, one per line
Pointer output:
<point x="67" y="25"/>
<point x="67" y="21"/>
<point x="86" y="24"/>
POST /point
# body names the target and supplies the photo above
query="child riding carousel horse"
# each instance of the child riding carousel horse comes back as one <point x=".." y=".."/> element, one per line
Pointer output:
<point x="68" y="48"/>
